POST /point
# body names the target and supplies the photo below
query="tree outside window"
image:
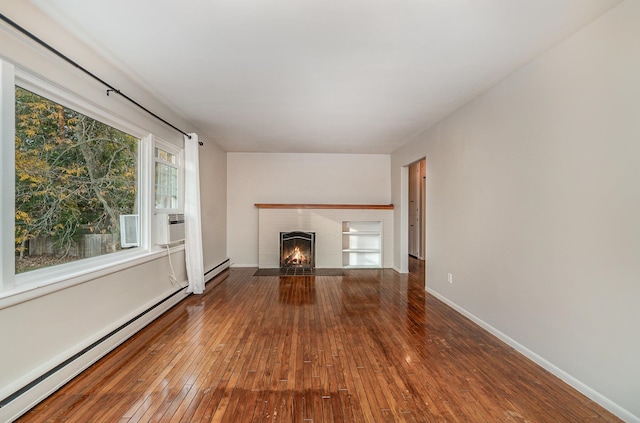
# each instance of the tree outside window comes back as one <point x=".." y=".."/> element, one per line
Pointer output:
<point x="75" y="176"/>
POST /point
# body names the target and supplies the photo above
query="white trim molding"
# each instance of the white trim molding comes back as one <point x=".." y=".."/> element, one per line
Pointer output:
<point x="542" y="362"/>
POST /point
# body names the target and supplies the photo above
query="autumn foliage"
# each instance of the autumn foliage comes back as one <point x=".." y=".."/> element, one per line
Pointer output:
<point x="74" y="174"/>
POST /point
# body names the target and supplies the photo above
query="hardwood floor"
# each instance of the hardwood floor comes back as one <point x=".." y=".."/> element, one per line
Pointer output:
<point x="369" y="346"/>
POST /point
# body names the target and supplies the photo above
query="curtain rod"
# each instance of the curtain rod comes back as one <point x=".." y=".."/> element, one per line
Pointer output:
<point x="110" y="87"/>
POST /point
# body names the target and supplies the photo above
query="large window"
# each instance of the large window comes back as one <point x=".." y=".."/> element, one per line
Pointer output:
<point x="79" y="187"/>
<point x="74" y="177"/>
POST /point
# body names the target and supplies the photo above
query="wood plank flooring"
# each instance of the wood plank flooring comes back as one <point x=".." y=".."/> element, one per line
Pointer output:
<point x="369" y="346"/>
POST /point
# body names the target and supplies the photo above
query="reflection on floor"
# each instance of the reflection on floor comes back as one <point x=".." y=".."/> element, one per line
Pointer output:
<point x="298" y="271"/>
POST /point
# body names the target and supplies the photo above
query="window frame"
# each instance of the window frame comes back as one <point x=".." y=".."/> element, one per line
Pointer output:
<point x="178" y="152"/>
<point x="41" y="281"/>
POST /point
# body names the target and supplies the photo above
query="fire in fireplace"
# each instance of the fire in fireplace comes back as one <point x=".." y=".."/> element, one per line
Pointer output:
<point x="297" y="249"/>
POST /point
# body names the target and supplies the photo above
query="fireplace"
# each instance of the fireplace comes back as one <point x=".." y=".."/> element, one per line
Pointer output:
<point x="297" y="249"/>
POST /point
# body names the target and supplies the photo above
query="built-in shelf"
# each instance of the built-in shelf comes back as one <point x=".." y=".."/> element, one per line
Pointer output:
<point x="362" y="244"/>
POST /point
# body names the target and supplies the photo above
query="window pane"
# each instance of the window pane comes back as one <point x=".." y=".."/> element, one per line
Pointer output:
<point x="166" y="186"/>
<point x="75" y="176"/>
<point x="165" y="156"/>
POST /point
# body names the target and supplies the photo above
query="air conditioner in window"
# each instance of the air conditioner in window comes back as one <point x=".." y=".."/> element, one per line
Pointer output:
<point x="170" y="228"/>
<point x="129" y="230"/>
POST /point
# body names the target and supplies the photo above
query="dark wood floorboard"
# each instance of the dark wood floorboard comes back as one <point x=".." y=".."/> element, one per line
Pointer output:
<point x="368" y="346"/>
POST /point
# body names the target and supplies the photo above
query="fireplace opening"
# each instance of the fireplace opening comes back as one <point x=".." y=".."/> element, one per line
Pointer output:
<point x="297" y="249"/>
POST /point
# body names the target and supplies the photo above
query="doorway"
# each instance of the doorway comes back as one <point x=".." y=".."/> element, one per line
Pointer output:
<point x="417" y="209"/>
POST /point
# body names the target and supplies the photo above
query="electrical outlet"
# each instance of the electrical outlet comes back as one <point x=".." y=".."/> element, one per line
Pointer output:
<point x="450" y="277"/>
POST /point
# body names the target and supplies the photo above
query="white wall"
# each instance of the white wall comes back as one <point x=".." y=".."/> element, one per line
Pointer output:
<point x="213" y="202"/>
<point x="45" y="330"/>
<point x="296" y="178"/>
<point x="533" y="203"/>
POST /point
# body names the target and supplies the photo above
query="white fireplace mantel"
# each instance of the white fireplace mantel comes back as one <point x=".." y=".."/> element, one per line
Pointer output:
<point x="326" y="220"/>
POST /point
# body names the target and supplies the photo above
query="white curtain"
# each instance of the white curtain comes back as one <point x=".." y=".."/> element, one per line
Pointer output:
<point x="193" y="226"/>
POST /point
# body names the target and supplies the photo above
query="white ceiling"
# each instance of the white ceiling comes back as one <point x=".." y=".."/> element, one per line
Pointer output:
<point x="332" y="76"/>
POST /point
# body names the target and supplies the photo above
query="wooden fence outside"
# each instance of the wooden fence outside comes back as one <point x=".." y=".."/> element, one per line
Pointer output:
<point x="89" y="245"/>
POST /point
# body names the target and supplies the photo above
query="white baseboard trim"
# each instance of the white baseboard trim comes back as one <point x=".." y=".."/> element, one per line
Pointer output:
<point x="82" y="357"/>
<point x="216" y="270"/>
<point x="592" y="394"/>
<point x="43" y="382"/>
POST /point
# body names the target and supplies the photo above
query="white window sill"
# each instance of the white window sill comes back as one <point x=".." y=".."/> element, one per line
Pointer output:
<point x="37" y="283"/>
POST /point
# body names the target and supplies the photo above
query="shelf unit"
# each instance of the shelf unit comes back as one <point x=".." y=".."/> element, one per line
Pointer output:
<point x="362" y="244"/>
